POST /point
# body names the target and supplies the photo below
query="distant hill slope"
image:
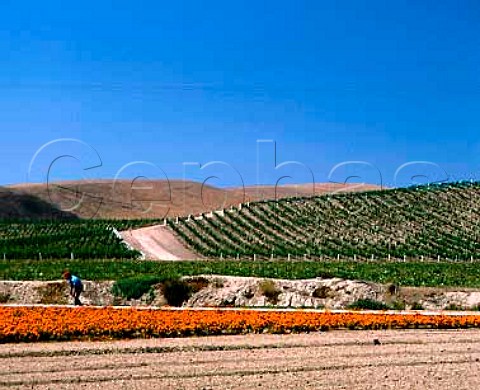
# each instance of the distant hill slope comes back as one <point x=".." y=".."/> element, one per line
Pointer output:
<point x="158" y="199"/>
<point x="427" y="221"/>
<point x="120" y="200"/>
<point x="19" y="205"/>
<point x="258" y="193"/>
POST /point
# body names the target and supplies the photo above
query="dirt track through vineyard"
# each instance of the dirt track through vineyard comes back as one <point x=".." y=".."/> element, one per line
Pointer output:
<point x="334" y="360"/>
<point x="158" y="243"/>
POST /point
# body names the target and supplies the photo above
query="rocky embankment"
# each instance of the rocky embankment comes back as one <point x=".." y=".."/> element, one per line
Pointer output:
<point x="226" y="291"/>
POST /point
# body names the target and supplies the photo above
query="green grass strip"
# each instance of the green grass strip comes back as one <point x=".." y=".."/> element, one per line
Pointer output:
<point x="404" y="274"/>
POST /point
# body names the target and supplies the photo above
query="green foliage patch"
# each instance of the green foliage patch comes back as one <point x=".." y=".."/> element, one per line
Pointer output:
<point x="368" y="304"/>
<point x="134" y="287"/>
<point x="400" y="274"/>
<point x="57" y="239"/>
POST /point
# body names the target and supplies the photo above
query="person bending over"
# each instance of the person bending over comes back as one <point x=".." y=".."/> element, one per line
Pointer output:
<point x="76" y="286"/>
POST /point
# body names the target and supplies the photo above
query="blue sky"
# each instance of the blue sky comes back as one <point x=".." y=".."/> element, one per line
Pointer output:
<point x="386" y="83"/>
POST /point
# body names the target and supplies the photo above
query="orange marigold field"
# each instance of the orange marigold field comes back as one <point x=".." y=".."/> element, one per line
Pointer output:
<point x="19" y="324"/>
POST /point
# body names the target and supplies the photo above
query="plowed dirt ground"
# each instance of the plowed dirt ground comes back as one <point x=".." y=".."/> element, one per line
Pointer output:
<point x="334" y="360"/>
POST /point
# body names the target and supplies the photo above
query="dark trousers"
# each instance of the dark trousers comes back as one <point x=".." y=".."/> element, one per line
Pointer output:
<point x="76" y="294"/>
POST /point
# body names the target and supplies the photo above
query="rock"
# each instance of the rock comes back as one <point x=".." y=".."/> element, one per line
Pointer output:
<point x="218" y="291"/>
<point x="332" y="293"/>
<point x="56" y="292"/>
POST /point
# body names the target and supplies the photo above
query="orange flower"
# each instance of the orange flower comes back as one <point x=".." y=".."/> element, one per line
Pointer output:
<point x="62" y="323"/>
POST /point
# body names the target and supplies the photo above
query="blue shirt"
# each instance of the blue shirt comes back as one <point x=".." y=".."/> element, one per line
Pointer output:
<point x="75" y="281"/>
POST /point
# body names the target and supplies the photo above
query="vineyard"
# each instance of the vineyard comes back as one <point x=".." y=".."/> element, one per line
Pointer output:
<point x="424" y="222"/>
<point x="434" y="222"/>
<point x="415" y="274"/>
<point x="55" y="239"/>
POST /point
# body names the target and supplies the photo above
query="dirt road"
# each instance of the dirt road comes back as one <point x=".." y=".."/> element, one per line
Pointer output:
<point x="158" y="243"/>
<point x="333" y="360"/>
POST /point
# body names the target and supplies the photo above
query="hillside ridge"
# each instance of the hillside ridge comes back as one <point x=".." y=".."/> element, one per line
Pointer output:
<point x="156" y="199"/>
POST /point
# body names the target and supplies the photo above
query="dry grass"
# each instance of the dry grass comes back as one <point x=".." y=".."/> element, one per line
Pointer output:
<point x="269" y="290"/>
<point x="161" y="198"/>
<point x="5" y="298"/>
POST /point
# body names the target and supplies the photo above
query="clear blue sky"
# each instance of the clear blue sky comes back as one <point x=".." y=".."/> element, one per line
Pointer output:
<point x="198" y="81"/>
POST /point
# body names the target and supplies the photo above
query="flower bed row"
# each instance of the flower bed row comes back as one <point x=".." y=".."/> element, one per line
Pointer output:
<point x="19" y="324"/>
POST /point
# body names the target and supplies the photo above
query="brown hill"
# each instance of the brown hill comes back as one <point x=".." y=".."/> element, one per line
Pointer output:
<point x="19" y="205"/>
<point x="161" y="198"/>
<point x="254" y="193"/>
<point x="121" y="199"/>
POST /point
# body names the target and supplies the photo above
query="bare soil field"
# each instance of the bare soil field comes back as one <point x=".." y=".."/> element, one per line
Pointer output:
<point x="371" y="360"/>
<point x="161" y="198"/>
